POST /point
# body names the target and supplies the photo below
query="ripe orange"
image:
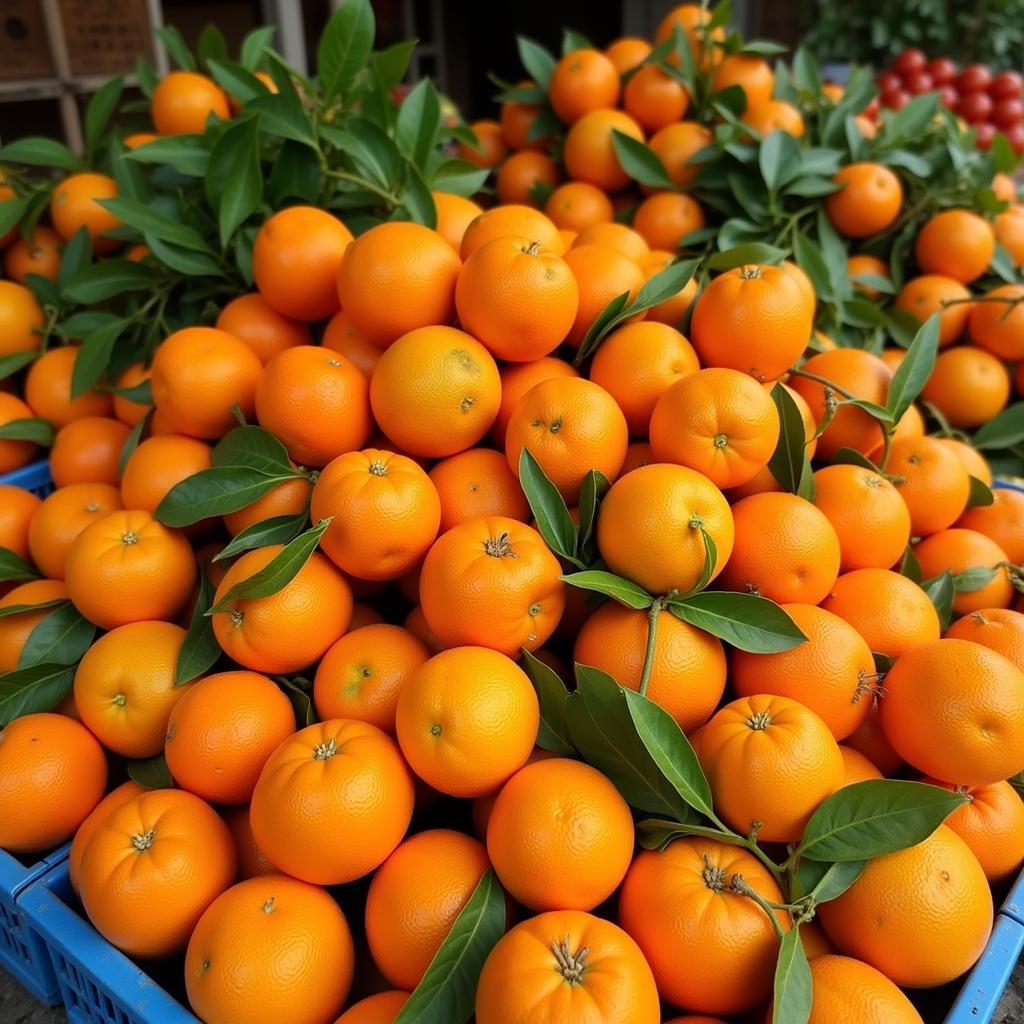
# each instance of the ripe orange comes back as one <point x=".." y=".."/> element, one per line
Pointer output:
<point x="933" y="483"/>
<point x="14" y="454"/>
<point x="323" y="785"/>
<point x="126" y="410"/>
<point x="857" y="767"/>
<point x="570" y="426"/>
<point x="868" y="200"/>
<point x="435" y="391"/>
<point x="999" y="629"/>
<point x="583" y="81"/>
<point x="513" y="219"/>
<point x="790" y="750"/>
<point x="21" y="320"/>
<point x="654" y="99"/>
<point x="517" y="120"/>
<point x="252" y="319"/>
<point x="931" y="293"/>
<point x="652" y="503"/>
<point x="680" y="907"/>
<point x="870" y="741"/>
<point x="341" y="335"/>
<point x="754" y="319"/>
<point x="692" y="19"/>
<point x="921" y="916"/>
<point x="752" y="74"/>
<point x="467" y="720"/>
<point x="87" y="450"/>
<point x="578" y="205"/>
<point x="127" y="567"/>
<point x="296" y="260"/>
<point x="454" y="215"/>
<point x="16" y="629"/>
<point x="785" y="549"/>
<point x="958" y="550"/>
<point x="62" y="517"/>
<point x="157" y="465"/>
<point x="666" y="218"/>
<point x="1009" y="231"/>
<point x="286" y="499"/>
<point x="48" y="389"/>
<point x="957" y="243"/>
<point x="850" y="989"/>
<point x="183" y="102"/>
<point x="627" y="52"/>
<point x="414" y="898"/>
<point x="312" y="611"/>
<point x="1004" y="187"/>
<point x="516" y="380"/>
<point x="74" y="205"/>
<point x="589" y="150"/>
<point x="566" y="965"/>
<point x="774" y="116"/>
<point x="381" y="1008"/>
<point x="675" y="144"/>
<point x="863" y="264"/>
<point x="616" y="236"/>
<point x="478" y="483"/>
<point x="996" y="325"/>
<point x="968" y="386"/>
<point x="39" y="254"/>
<point x="290" y="936"/>
<point x="521" y="175"/>
<point x="602" y="274"/>
<point x="491" y="147"/>
<point x="18" y="508"/>
<point x="152" y="867"/>
<point x="114" y="799"/>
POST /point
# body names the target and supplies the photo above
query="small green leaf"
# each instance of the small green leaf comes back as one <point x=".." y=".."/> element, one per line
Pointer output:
<point x="639" y="162"/>
<point x="61" y="638"/>
<point x="623" y="591"/>
<point x="980" y="493"/>
<point x="940" y="590"/>
<point x="93" y="358"/>
<point x="234" y="180"/>
<point x="607" y="319"/>
<point x="200" y="650"/>
<point x="827" y="881"/>
<point x="851" y="457"/>
<point x="184" y="261"/>
<point x="150" y="220"/>
<point x="741" y="255"/>
<point x="31" y="428"/>
<point x="255" y="45"/>
<point x="419" y="119"/>
<point x="237" y="81"/>
<point x="39" y="688"/>
<point x="538" y="62"/>
<point x="302" y="705"/>
<point x="12" y="211"/>
<point x="276" y="530"/>
<point x="416" y="197"/>
<point x="573" y="41"/>
<point x="215" y="492"/>
<point x="21" y="609"/>
<point x="1004" y="429"/>
<point x="810" y="260"/>
<point x="909" y="566"/>
<point x="150" y="772"/>
<point x="14" y="569"/>
<point x="970" y="580"/>
<point x="595" y="486"/>
<point x="548" y="507"/>
<point x="806" y="76"/>
<point x="392" y="64"/>
<point x="133" y="441"/>
<point x="10" y="365"/>
<point x="40" y="152"/>
<point x="282" y="114"/>
<point x="789" y="463"/>
<point x="97" y="114"/>
<point x="778" y="159"/>
<point x="553" y="698"/>
<point x="177" y="48"/>
<point x="791" y="1003"/>
<point x="211" y="45"/>
<point x="254" y="448"/>
<point x="746" y="621"/>
<point x="874" y="410"/>
<point x="914" y="370"/>
<point x="345" y="47"/>
<point x="187" y="154"/>
<point x="76" y="257"/>
<point x="101" y="281"/>
<point x="459" y="177"/>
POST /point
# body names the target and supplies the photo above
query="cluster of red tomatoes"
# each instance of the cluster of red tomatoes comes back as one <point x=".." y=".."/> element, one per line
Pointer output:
<point x="989" y="103"/>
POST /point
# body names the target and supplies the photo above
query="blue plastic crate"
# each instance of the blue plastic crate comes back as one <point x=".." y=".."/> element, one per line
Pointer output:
<point x="34" y="477"/>
<point x="22" y="952"/>
<point x="984" y="986"/>
<point x="99" y="984"/>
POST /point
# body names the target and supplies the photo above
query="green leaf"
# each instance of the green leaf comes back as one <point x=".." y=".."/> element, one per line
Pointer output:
<point x="940" y="591"/>
<point x="12" y="211"/>
<point x="234" y="180"/>
<point x="1004" y="429"/>
<point x="553" y="698"/>
<point x="595" y="486"/>
<point x="911" y="122"/>
<point x="61" y="638"/>
<point x="391" y="64"/>
<point x="38" y="431"/>
<point x="851" y="457"/>
<point x="538" y="62"/>
<point x="101" y="281"/>
<point x="909" y="566"/>
<point x="39" y="152"/>
<point x="623" y="591"/>
<point x="184" y="261"/>
<point x="30" y="690"/>
<point x="811" y="261"/>
<point x="345" y="47"/>
<point x="607" y="319"/>
<point x="416" y="197"/>
<point x="254" y="448"/>
<point x="573" y="41"/>
<point x="639" y="162"/>
<point x="237" y="81"/>
<point x="869" y="819"/>
<point x="548" y="507"/>
<point x="255" y="45"/>
<point x="295" y="175"/>
<point x="372" y="151"/>
<point x="177" y="48"/>
<point x="302" y="706"/>
<point x="282" y="115"/>
<point x="791" y="1003"/>
<point x="806" y="76"/>
<point x="150" y="772"/>
<point x="187" y="154"/>
<point x="980" y="493"/>
<point x="276" y="530"/>
<point x="970" y="580"/>
<point x="21" y="609"/>
<point x="778" y="159"/>
<point x="746" y="621"/>
<point x="419" y="119"/>
<point x="151" y="221"/>
<point x="76" y="257"/>
<point x="826" y="881"/>
<point x="200" y="650"/>
<point x="278" y="572"/>
<point x="215" y="492"/>
<point x="211" y="45"/>
<point x="789" y="463"/>
<point x="915" y="369"/>
<point x="740" y="255"/>
<point x="10" y="365"/>
<point x="459" y="177"/>
<point x="14" y="569"/>
<point x="97" y="114"/>
<point x="94" y="356"/>
<point x="133" y="440"/>
<point x="447" y="991"/>
<point x="147" y="77"/>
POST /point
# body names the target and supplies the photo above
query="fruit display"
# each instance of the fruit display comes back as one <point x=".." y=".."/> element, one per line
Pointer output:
<point x="554" y="568"/>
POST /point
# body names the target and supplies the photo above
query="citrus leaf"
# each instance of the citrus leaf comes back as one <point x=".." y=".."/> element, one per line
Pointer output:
<point x="639" y="162"/>
<point x="553" y="698"/>
<point x="595" y="486"/>
<point x="150" y="772"/>
<point x="914" y="370"/>
<point x="778" y="159"/>
<point x="255" y="45"/>
<point x="187" y="154"/>
<point x="144" y="217"/>
<point x="419" y="119"/>
<point x="940" y="590"/>
<point x="789" y="463"/>
<point x="40" y="152"/>
<point x="548" y="507"/>
<point x="623" y="591"/>
<point x="254" y="448"/>
<point x="177" y="48"/>
<point x="791" y="1003"/>
<point x="11" y="211"/>
<point x="740" y="255"/>
<point x="31" y="428"/>
<point x="1004" y="429"/>
<point x="14" y="569"/>
<point x="21" y="609"/>
<point x="970" y="580"/>
<point x="746" y="621"/>
<point x="234" y="179"/>
<point x="345" y="47"/>
<point x="94" y="356"/>
<point x="10" y="365"/>
<point x="97" y="114"/>
<point x="199" y="650"/>
<point x="61" y="638"/>
<point x="29" y="690"/>
<point x="276" y="530"/>
<point x="302" y="706"/>
<point x="215" y="492"/>
<point x="537" y="61"/>
<point x="826" y="881"/>
<point x="980" y="493"/>
<point x="101" y="281"/>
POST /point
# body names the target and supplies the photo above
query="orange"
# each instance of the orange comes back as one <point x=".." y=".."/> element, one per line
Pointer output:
<point x="21" y="319"/>
<point x="525" y="176"/>
<point x="850" y="990"/>
<point x="589" y="151"/>
<point x="513" y="219"/>
<point x="381" y="1008"/>
<point x="157" y="465"/>
<point x="396" y="277"/>
<point x="921" y="916"/>
<point x="6" y="192"/>
<point x="673" y="310"/>
<point x="863" y="264"/>
<point x="491" y="148"/>
<point x="125" y="689"/>
<point x="654" y="99"/>
<point x="252" y="319"/>
<point x="832" y="674"/>
<point x="787" y="747"/>
<point x="999" y="629"/>
<point x="692" y="20"/>
<point x="868" y="200"/>
<point x="416" y="623"/>
<point x="560" y="836"/>
<point x="627" y="52"/>
<point x="151" y="868"/>
<point x="869" y="516"/>
<point x="48" y="389"/>
<point x="126" y="410"/>
<point x="955" y="711"/>
<point x="1004" y="187"/>
<point x="517" y="120"/>
<point x="362" y="674"/>
<point x="341" y="335"/>
<point x="62" y="517"/>
<point x="930" y="293"/>
<point x="52" y="774"/>
<point x="291" y="629"/>
<point x="870" y="741"/>
<point x="183" y="102"/>
<point x="87" y="450"/>
<point x="73" y="205"/>
<point x="454" y="215"/>
<point x="566" y="965"/>
<point x="857" y="767"/>
<point x="639" y="363"/>
<point x="675" y="144"/>
<point x="996" y="325"/>
<point x="653" y="503"/>
<point x="861" y="374"/>
<point x="296" y="260"/>
<point x="16" y="629"/>
<point x="959" y="550"/>
<point x="754" y="319"/>
<point x="1009" y="230"/>
<point x="602" y="274"/>
<point x="774" y="116"/>
<point x="324" y="784"/>
<point x="137" y="139"/>
<point x="435" y="391"/>
<point x="957" y="243"/>
<point x="752" y="74"/>
<point x="414" y="899"/>
<point x="717" y="421"/>
<point x="615" y="236"/>
<point x="384" y="513"/>
<point x="18" y="508"/>
<point x="517" y="298"/>
<point x="222" y="731"/>
<point x="14" y="454"/>
<point x="933" y="482"/>
<point x="968" y="386"/>
<point x="892" y="613"/>
<point x="290" y="936"/>
<point x="467" y="720"/>
<point x="127" y="567"/>
<point x="39" y="254"/>
<point x="516" y="380"/>
<point x="666" y="218"/>
<point x="286" y="499"/>
<point x="114" y="799"/>
<point x="680" y="907"/>
<point x="578" y="205"/>
<point x="785" y="549"/>
<point x="583" y="81"/>
<point x="570" y="426"/>
<point x="478" y="483"/>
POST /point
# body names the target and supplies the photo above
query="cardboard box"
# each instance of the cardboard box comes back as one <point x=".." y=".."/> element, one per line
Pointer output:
<point x="24" y="46"/>
<point x="104" y="37"/>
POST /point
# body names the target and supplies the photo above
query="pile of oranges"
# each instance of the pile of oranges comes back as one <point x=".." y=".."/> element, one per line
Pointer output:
<point x="322" y="602"/>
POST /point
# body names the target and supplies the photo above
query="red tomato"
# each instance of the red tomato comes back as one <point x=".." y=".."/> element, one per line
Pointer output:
<point x="910" y="59"/>
<point x="949" y="96"/>
<point x="942" y="70"/>
<point x="1007" y="112"/>
<point x="888" y="80"/>
<point x="895" y="99"/>
<point x="918" y="82"/>
<point x="1007" y="85"/>
<point x="984" y="133"/>
<point x="975" y="107"/>
<point x="974" y="78"/>
<point x="1015" y="136"/>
